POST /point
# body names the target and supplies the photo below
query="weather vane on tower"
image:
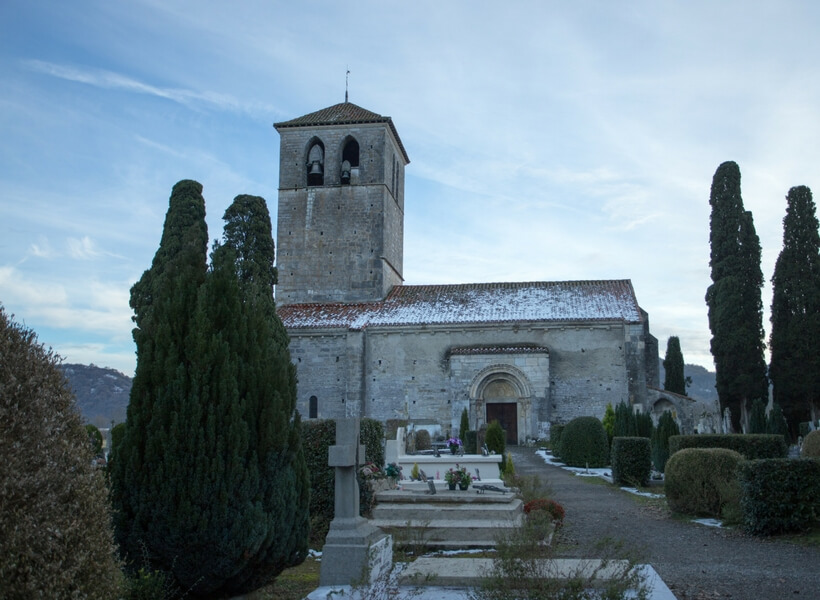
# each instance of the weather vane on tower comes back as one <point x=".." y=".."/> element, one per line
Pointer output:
<point x="346" y="76"/>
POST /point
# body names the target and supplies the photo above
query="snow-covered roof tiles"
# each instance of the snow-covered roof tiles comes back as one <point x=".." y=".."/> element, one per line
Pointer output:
<point x="611" y="300"/>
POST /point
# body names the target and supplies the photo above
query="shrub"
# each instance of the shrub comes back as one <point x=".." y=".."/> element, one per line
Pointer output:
<point x="703" y="481"/>
<point x="811" y="445"/>
<point x="422" y="439"/>
<point x="319" y="435"/>
<point x="667" y="427"/>
<point x="776" y="423"/>
<point x="95" y="439"/>
<point x="555" y="510"/>
<point x="56" y="539"/>
<point x="751" y="446"/>
<point x="779" y="495"/>
<point x="371" y="434"/>
<point x="584" y="443"/>
<point x="631" y="460"/>
<point x="496" y="442"/>
<point x="470" y="445"/>
<point x="556" y="431"/>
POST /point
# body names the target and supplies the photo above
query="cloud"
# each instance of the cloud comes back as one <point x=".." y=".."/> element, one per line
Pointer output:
<point x="82" y="249"/>
<point x="104" y="79"/>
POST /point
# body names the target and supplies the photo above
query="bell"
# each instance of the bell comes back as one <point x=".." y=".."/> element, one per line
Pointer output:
<point x="315" y="168"/>
<point x="345" y="172"/>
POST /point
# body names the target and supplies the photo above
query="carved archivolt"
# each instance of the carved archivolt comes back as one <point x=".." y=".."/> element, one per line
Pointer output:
<point x="507" y="373"/>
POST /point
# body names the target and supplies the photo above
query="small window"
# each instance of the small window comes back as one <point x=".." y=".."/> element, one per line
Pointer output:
<point x="316" y="164"/>
<point x="313" y="407"/>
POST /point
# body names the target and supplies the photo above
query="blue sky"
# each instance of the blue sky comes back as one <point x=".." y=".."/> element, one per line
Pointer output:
<point x="549" y="140"/>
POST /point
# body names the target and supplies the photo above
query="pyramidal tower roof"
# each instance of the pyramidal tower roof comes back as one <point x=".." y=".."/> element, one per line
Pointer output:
<point x="344" y="113"/>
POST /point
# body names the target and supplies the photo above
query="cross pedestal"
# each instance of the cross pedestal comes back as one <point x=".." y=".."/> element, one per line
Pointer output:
<point x="355" y="551"/>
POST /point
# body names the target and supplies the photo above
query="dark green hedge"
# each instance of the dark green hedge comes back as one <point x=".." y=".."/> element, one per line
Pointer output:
<point x="751" y="446"/>
<point x="371" y="433"/>
<point x="631" y="460"/>
<point x="584" y="443"/>
<point x="317" y="437"/>
<point x="555" y="438"/>
<point x="780" y="495"/>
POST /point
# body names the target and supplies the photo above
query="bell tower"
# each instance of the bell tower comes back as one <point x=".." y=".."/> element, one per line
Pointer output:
<point x="340" y="223"/>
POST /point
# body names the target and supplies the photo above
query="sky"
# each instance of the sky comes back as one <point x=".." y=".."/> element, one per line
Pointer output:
<point x="548" y="140"/>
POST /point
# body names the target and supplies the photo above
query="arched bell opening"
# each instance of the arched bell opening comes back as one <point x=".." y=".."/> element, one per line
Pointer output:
<point x="316" y="163"/>
<point x="350" y="160"/>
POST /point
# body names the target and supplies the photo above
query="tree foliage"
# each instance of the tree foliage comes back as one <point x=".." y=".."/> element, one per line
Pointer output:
<point x="757" y="417"/>
<point x="735" y="306"/>
<point x="795" y="315"/>
<point x="464" y="426"/>
<point x="776" y="422"/>
<point x="674" y="380"/>
<point x="667" y="427"/>
<point x="625" y="423"/>
<point x="210" y="479"/>
<point x="56" y="539"/>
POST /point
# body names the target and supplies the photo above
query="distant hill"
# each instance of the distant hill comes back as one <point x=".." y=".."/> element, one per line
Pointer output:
<point x="703" y="381"/>
<point x="102" y="393"/>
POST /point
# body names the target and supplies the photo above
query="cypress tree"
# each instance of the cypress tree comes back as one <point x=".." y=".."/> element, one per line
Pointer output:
<point x="667" y="427"/>
<point x="464" y="426"/>
<point x="224" y="502"/>
<point x="735" y="306"/>
<point x="625" y="422"/>
<point x="776" y="422"/>
<point x="795" y="315"/>
<point x="674" y="380"/>
<point x="757" y="417"/>
<point x="145" y="474"/>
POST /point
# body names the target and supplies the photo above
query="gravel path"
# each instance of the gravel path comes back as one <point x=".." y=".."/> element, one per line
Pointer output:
<point x="695" y="561"/>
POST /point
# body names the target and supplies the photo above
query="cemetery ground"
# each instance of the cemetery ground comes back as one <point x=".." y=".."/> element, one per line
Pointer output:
<point x="697" y="562"/>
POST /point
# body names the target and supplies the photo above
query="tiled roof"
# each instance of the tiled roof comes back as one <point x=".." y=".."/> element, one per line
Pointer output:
<point x="345" y="113"/>
<point x="561" y="301"/>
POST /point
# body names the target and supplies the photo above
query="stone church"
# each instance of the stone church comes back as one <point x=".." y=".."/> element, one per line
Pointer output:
<point x="528" y="354"/>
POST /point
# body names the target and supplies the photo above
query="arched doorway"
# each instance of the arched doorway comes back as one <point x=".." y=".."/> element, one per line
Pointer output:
<point x="501" y="393"/>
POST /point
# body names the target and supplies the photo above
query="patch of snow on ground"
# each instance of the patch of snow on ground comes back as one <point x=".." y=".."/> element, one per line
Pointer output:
<point x="582" y="472"/>
<point x="638" y="492"/>
<point x="708" y="522"/>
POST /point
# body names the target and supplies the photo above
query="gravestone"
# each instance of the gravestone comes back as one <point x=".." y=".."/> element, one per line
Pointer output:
<point x="355" y="551"/>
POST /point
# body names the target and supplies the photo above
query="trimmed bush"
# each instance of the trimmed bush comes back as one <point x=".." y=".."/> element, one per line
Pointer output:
<point x="556" y="431"/>
<point x="56" y="539"/>
<point x="470" y="445"/>
<point x="751" y="446"/>
<point x="422" y="439"/>
<point x="625" y="425"/>
<point x="811" y="445"/>
<point x="496" y="441"/>
<point x="780" y="495"/>
<point x="584" y="443"/>
<point x="703" y="481"/>
<point x="631" y="461"/>
<point x="667" y="427"/>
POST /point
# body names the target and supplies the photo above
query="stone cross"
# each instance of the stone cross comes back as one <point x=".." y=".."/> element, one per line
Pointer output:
<point x="345" y="457"/>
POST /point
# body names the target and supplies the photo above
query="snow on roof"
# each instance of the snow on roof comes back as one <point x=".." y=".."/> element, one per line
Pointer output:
<point x="610" y="300"/>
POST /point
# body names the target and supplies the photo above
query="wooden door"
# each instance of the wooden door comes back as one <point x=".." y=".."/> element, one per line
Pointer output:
<point x="506" y="413"/>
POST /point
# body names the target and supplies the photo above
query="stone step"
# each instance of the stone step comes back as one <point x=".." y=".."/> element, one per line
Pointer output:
<point x="449" y="534"/>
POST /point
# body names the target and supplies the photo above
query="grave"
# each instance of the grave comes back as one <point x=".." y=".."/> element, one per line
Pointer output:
<point x="355" y="550"/>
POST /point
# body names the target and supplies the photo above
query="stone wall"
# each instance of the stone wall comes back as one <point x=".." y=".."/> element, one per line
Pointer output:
<point x="340" y="243"/>
<point x="409" y="373"/>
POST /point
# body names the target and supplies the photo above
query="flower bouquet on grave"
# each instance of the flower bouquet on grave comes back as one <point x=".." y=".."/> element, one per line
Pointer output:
<point x="458" y="477"/>
<point x="454" y="444"/>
